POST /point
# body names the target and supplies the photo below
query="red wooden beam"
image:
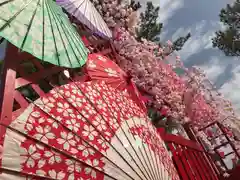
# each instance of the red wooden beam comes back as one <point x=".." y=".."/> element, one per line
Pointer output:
<point x="37" y="76"/>
<point x="7" y="89"/>
<point x="228" y="139"/>
<point x="8" y="84"/>
<point x="191" y="171"/>
<point x="187" y="127"/>
<point x="181" y="141"/>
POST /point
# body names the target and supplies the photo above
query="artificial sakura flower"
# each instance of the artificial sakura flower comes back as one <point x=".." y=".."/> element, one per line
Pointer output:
<point x="44" y="134"/>
<point x="72" y="124"/>
<point x="67" y="140"/>
<point x="89" y="131"/>
<point x="145" y="60"/>
<point x="56" y="175"/>
<point x="64" y="108"/>
<point x="31" y="156"/>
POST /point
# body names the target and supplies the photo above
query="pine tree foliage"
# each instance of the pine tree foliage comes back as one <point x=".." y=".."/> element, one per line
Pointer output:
<point x="179" y="43"/>
<point x="228" y="40"/>
<point x="150" y="29"/>
<point x="135" y="5"/>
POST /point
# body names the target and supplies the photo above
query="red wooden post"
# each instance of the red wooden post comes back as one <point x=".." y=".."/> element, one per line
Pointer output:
<point x="187" y="164"/>
<point x="187" y="127"/>
<point x="179" y="165"/>
<point x="194" y="162"/>
<point x="6" y="90"/>
<point x="8" y="83"/>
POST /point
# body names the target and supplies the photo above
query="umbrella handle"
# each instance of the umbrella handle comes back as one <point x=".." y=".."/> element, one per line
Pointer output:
<point x="128" y="78"/>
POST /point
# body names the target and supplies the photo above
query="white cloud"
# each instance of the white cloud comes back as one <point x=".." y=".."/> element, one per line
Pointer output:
<point x="214" y="70"/>
<point x="167" y="8"/>
<point x="199" y="40"/>
<point x="231" y="90"/>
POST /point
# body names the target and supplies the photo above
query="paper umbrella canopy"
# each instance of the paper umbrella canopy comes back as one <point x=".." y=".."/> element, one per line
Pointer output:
<point x="99" y="67"/>
<point x="86" y="13"/>
<point x="83" y="131"/>
<point x="40" y="28"/>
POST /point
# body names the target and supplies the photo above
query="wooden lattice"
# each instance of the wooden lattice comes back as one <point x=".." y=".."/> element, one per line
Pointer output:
<point x="227" y="140"/>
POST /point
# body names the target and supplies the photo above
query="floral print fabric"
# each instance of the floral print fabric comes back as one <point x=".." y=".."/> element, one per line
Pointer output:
<point x="85" y="131"/>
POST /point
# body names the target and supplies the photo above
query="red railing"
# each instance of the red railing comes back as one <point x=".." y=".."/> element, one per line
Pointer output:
<point x="190" y="159"/>
<point x="227" y="141"/>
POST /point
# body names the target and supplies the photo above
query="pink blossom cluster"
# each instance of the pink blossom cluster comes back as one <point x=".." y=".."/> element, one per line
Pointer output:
<point x="211" y="95"/>
<point x="186" y="97"/>
<point x="115" y="13"/>
<point x="143" y="61"/>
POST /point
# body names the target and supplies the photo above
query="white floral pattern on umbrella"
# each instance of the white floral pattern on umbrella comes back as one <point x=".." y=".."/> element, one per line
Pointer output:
<point x="99" y="67"/>
<point x="69" y="142"/>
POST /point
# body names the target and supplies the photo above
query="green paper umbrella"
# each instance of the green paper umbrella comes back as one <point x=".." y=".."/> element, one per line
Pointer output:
<point x="41" y="28"/>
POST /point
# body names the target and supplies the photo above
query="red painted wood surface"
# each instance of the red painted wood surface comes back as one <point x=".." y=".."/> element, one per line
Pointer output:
<point x="190" y="159"/>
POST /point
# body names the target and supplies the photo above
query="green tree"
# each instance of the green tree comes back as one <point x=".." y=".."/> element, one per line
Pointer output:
<point x="179" y="43"/>
<point x="135" y="5"/>
<point x="228" y="40"/>
<point x="151" y="29"/>
<point x="158" y="120"/>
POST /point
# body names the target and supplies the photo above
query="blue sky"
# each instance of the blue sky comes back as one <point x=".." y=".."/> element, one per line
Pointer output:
<point x="201" y="19"/>
<point x="2" y="50"/>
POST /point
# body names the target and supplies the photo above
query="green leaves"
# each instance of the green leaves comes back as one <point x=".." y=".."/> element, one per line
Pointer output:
<point x="178" y="44"/>
<point x="228" y="40"/>
<point x="150" y="29"/>
<point x="168" y="123"/>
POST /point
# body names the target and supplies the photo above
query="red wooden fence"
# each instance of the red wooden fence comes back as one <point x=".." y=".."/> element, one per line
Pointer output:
<point x="227" y="141"/>
<point x="190" y="159"/>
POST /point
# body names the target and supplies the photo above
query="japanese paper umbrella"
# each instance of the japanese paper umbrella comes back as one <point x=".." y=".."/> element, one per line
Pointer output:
<point x="99" y="67"/>
<point x="86" y="13"/>
<point x="40" y="28"/>
<point x="83" y="131"/>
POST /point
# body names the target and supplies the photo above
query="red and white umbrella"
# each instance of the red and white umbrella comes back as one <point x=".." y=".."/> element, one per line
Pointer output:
<point x="99" y="67"/>
<point x="87" y="14"/>
<point x="83" y="131"/>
